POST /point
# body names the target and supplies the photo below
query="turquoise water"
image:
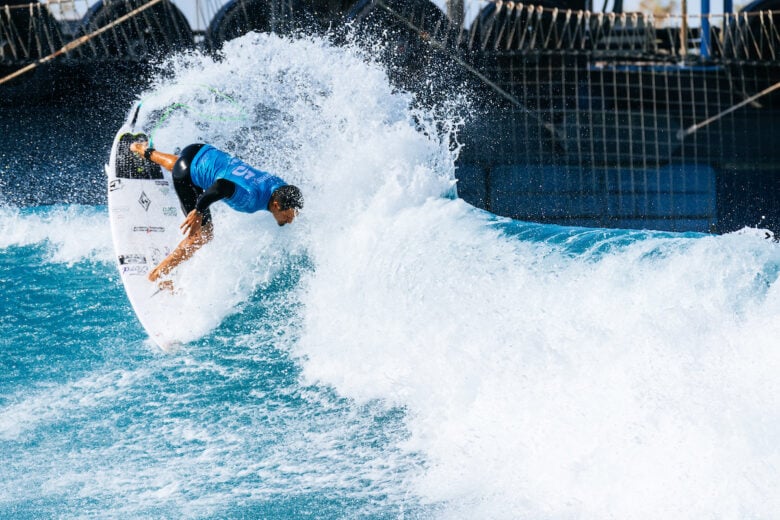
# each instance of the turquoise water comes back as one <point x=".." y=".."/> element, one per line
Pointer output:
<point x="95" y="419"/>
<point x="395" y="353"/>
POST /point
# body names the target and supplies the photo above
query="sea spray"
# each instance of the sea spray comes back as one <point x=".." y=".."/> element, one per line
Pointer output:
<point x="540" y="384"/>
<point x="594" y="377"/>
<point x="348" y="143"/>
<point x="395" y="350"/>
<point x="62" y="228"/>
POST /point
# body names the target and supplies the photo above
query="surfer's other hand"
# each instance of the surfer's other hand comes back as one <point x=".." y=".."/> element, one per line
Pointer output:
<point x="192" y="224"/>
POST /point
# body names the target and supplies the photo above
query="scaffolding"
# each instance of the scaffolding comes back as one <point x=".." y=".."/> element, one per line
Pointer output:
<point x="87" y="31"/>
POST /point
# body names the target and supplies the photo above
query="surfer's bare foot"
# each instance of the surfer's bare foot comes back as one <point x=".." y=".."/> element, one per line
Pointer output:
<point x="165" y="285"/>
<point x="138" y="147"/>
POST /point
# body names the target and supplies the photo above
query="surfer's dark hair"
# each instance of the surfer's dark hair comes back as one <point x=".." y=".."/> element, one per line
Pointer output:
<point x="288" y="197"/>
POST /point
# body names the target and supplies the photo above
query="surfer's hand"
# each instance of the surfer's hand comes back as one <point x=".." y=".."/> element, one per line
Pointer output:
<point x="191" y="225"/>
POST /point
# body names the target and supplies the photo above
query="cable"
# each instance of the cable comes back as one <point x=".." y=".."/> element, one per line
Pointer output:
<point x="683" y="133"/>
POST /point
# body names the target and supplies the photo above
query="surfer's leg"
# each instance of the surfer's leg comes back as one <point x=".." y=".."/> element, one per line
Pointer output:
<point x="187" y="191"/>
<point x="186" y="157"/>
<point x="166" y="160"/>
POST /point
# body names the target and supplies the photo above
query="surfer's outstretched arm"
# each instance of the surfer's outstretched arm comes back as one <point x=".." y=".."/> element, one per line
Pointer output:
<point x="197" y="233"/>
<point x="197" y="237"/>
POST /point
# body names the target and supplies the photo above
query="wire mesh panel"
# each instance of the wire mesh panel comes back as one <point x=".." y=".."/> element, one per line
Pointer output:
<point x="29" y="32"/>
<point x="615" y="94"/>
<point x="590" y="114"/>
<point x="152" y="33"/>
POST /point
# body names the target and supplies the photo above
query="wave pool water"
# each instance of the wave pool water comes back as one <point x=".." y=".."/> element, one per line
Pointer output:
<point x="395" y="353"/>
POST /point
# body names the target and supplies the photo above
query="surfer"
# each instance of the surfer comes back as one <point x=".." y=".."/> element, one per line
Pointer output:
<point x="203" y="175"/>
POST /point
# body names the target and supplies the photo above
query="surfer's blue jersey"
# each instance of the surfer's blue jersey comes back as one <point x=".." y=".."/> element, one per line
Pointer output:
<point x="253" y="187"/>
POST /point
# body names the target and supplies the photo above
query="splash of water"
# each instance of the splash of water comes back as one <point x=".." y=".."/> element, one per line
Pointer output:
<point x="63" y="228"/>
<point x="544" y="372"/>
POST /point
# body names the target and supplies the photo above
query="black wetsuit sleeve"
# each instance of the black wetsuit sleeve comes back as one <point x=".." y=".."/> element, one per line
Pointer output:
<point x="221" y="189"/>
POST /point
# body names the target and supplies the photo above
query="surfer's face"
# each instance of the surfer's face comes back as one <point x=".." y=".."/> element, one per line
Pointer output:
<point x="283" y="216"/>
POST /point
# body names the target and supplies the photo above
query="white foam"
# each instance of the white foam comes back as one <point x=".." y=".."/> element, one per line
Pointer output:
<point x="543" y="385"/>
<point x="30" y="410"/>
<point x="308" y="121"/>
<point x="73" y="233"/>
<point x="629" y="381"/>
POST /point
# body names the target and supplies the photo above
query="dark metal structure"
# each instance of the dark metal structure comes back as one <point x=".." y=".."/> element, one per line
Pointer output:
<point x="596" y="119"/>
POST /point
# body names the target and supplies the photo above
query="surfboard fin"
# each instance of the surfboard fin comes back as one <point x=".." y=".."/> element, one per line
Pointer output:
<point x="135" y="116"/>
<point x="164" y="286"/>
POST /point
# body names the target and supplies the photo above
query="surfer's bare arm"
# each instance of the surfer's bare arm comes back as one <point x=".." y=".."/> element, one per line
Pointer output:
<point x="196" y="233"/>
<point x="185" y="249"/>
<point x="219" y="190"/>
<point x="192" y="224"/>
<point x="166" y="160"/>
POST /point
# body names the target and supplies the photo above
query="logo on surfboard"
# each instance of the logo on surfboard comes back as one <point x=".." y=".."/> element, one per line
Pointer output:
<point x="134" y="270"/>
<point x="132" y="258"/>
<point x="144" y="201"/>
<point x="148" y="229"/>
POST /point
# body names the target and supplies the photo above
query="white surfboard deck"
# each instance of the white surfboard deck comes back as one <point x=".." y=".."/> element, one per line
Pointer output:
<point x="145" y="216"/>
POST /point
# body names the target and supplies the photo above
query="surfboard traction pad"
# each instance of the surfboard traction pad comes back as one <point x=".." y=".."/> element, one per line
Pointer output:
<point x="130" y="165"/>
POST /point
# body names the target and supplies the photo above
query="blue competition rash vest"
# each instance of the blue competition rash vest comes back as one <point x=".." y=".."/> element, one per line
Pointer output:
<point x="253" y="187"/>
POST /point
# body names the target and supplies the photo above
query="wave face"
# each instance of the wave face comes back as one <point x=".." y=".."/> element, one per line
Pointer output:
<point x="393" y="353"/>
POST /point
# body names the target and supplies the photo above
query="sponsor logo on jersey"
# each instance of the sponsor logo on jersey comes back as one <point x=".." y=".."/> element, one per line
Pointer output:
<point x="114" y="185"/>
<point x="249" y="174"/>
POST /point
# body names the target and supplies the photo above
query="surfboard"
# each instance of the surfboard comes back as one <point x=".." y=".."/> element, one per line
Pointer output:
<point x="145" y="214"/>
